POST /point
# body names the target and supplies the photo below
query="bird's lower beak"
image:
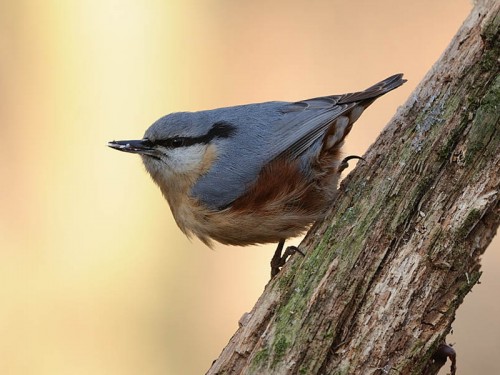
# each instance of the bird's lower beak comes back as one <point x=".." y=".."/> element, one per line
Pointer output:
<point x="142" y="146"/>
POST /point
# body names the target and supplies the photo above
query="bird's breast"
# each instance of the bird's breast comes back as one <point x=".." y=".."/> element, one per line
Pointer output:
<point x="281" y="203"/>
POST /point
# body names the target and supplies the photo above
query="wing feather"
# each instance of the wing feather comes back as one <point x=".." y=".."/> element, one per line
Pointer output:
<point x="267" y="131"/>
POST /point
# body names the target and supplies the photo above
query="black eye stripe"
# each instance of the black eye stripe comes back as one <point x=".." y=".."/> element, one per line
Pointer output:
<point x="220" y="129"/>
<point x="147" y="143"/>
<point x="177" y="142"/>
<point x="173" y="142"/>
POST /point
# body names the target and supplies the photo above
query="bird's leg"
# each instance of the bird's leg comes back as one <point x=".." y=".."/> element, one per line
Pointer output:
<point x="345" y="163"/>
<point x="279" y="260"/>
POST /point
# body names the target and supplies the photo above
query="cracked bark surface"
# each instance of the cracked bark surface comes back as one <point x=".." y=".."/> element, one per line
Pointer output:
<point x="384" y="274"/>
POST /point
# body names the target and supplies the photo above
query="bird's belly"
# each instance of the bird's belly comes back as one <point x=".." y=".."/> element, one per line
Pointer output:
<point x="268" y="224"/>
<point x="249" y="228"/>
<point x="281" y="204"/>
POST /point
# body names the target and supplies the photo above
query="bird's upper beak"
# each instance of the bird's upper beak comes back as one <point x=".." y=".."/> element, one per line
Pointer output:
<point x="143" y="146"/>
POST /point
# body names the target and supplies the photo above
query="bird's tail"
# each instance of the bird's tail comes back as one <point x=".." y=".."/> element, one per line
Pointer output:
<point x="373" y="92"/>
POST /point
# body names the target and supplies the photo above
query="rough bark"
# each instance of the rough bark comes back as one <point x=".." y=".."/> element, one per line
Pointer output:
<point x="384" y="274"/>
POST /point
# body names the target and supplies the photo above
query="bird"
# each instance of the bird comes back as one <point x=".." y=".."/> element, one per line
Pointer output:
<point x="254" y="173"/>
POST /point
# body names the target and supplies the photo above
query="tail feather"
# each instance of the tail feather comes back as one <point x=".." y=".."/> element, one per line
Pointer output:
<point x="359" y="101"/>
<point x="373" y="92"/>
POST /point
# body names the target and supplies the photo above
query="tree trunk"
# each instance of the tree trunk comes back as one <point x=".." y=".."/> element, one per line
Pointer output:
<point x="383" y="275"/>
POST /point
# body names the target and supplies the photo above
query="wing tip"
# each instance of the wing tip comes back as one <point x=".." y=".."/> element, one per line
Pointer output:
<point x="375" y="91"/>
<point x="392" y="82"/>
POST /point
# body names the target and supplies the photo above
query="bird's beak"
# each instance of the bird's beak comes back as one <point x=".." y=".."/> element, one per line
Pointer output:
<point x="143" y="146"/>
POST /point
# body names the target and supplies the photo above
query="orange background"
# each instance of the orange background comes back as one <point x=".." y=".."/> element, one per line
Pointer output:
<point x="95" y="278"/>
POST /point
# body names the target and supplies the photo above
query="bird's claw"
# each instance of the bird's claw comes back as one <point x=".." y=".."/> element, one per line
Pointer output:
<point x="279" y="260"/>
<point x="345" y="162"/>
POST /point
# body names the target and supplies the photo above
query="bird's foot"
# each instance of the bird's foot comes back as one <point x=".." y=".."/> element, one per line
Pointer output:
<point x="279" y="260"/>
<point x="345" y="163"/>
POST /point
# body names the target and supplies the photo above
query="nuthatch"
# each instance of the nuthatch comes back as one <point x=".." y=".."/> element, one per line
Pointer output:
<point x="256" y="173"/>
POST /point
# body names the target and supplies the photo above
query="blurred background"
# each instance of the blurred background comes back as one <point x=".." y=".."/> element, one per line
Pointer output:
<point x="95" y="277"/>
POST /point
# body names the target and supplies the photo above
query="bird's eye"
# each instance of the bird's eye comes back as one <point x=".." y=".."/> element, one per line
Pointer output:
<point x="177" y="142"/>
<point x="174" y="142"/>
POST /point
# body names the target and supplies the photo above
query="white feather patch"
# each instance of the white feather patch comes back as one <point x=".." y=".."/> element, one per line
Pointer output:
<point x="355" y="113"/>
<point x="340" y="126"/>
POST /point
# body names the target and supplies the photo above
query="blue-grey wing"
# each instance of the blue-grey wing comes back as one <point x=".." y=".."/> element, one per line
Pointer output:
<point x="308" y="120"/>
<point x="270" y="130"/>
<point x="263" y="132"/>
<point x="305" y="123"/>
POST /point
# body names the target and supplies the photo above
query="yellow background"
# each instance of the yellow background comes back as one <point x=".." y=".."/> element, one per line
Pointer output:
<point x="95" y="278"/>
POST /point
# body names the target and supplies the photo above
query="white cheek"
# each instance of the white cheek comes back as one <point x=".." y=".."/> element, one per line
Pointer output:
<point x="185" y="159"/>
